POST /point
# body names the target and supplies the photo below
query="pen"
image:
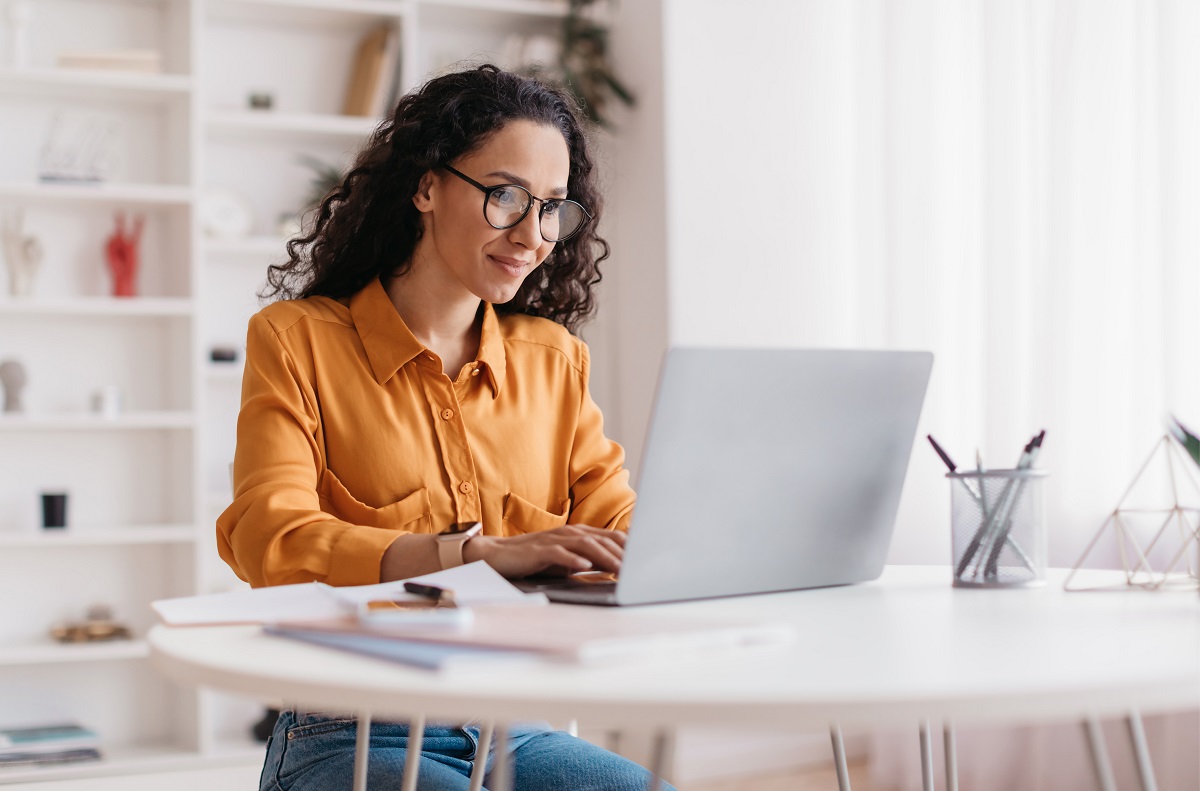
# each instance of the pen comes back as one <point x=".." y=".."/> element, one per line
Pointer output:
<point x="440" y="595"/>
<point x="940" y="452"/>
<point x="951" y="465"/>
<point x="994" y="525"/>
<point x="1027" y="459"/>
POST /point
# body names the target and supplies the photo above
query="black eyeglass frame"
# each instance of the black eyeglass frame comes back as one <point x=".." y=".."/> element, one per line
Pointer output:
<point x="487" y="196"/>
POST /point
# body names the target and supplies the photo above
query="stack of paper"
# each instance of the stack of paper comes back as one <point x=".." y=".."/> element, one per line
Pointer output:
<point x="558" y="634"/>
<point x="504" y="626"/>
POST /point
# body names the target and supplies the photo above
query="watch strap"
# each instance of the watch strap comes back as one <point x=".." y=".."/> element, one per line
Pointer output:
<point x="450" y="548"/>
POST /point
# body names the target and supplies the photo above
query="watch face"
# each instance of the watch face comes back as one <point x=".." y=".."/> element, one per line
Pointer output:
<point x="458" y="528"/>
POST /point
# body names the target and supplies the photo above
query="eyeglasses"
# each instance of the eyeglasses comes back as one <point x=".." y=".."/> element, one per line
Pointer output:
<point x="505" y="205"/>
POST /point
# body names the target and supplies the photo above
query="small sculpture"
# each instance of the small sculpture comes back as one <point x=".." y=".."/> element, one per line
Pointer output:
<point x="122" y="253"/>
<point x="97" y="627"/>
<point x="13" y="380"/>
<point x="23" y="254"/>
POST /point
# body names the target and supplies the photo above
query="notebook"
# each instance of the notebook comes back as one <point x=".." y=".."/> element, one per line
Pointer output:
<point x="764" y="470"/>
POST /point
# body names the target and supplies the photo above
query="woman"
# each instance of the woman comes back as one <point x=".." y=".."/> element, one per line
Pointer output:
<point x="419" y="374"/>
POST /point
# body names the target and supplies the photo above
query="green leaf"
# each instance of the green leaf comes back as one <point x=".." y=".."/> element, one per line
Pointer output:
<point x="1189" y="441"/>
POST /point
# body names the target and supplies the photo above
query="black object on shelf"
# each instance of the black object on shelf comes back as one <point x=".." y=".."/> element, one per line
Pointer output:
<point x="54" y="510"/>
<point x="222" y="354"/>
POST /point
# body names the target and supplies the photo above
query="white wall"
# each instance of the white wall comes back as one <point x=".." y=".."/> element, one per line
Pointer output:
<point x="630" y="334"/>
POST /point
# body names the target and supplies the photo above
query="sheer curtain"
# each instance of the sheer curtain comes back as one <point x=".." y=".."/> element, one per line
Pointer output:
<point x="1013" y="184"/>
<point x="1025" y="201"/>
<point x="1039" y="228"/>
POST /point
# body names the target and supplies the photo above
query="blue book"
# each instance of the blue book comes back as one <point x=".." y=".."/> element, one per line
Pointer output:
<point x="47" y="738"/>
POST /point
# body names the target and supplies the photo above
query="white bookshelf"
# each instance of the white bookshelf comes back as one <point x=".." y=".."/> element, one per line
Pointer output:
<point x="114" y="307"/>
<point x="63" y="653"/>
<point x="126" y="421"/>
<point x="295" y="125"/>
<point x="147" y="485"/>
<point x="97" y="536"/>
<point x="108" y="86"/>
<point x="256" y="246"/>
<point x="132" y="195"/>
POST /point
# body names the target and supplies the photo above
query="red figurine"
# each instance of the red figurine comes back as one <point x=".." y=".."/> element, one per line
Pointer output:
<point x="122" y="253"/>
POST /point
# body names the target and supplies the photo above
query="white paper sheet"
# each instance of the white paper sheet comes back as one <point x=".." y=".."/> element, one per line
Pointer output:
<point x="474" y="583"/>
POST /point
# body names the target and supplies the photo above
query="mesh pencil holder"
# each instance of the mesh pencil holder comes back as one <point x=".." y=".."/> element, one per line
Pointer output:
<point x="998" y="528"/>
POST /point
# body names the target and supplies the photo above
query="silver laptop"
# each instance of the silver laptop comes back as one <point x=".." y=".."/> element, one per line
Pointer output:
<point x="765" y="470"/>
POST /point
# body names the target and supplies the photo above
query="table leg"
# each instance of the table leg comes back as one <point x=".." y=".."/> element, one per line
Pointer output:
<point x="1100" y="762"/>
<point x="1141" y="751"/>
<point x="481" y="755"/>
<point x="412" y="758"/>
<point x="362" y="745"/>
<point x="502" y="774"/>
<point x="658" y="761"/>
<point x="839" y="757"/>
<point x="926" y="757"/>
<point x="951" y="756"/>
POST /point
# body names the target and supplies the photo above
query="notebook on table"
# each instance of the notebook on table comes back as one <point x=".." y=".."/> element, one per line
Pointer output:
<point x="764" y="470"/>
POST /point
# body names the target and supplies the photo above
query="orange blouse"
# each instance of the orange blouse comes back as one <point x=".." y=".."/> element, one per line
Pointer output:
<point x="350" y="435"/>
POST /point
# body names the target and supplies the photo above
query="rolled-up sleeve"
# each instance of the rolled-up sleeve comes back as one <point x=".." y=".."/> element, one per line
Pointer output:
<point x="600" y="492"/>
<point x="275" y="531"/>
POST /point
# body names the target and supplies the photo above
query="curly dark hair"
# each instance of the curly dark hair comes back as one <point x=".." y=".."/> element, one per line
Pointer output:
<point x="367" y="227"/>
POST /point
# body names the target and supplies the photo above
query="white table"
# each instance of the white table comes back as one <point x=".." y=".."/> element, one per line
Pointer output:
<point x="906" y="648"/>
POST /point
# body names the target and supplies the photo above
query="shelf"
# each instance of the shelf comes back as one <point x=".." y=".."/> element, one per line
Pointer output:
<point x="269" y="125"/>
<point x="132" y="760"/>
<point x="49" y="652"/>
<point x="103" y="85"/>
<point x="554" y="9"/>
<point x="248" y="246"/>
<point x="101" y="192"/>
<point x="98" y="306"/>
<point x="84" y="421"/>
<point x="326" y="14"/>
<point x="224" y="372"/>
<point x="99" y="536"/>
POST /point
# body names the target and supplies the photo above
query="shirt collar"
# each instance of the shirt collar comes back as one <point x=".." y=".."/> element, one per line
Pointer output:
<point x="390" y="344"/>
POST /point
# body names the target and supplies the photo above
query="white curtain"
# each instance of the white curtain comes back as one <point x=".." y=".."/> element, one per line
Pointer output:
<point x="1024" y="200"/>
<point x="1028" y="207"/>
<point x="1013" y="184"/>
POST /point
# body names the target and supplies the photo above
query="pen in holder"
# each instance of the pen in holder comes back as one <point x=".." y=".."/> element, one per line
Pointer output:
<point x="998" y="525"/>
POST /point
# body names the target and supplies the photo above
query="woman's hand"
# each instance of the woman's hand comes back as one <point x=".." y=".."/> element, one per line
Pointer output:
<point x="559" y="551"/>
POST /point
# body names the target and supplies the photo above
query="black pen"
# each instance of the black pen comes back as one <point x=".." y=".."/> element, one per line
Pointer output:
<point x="440" y="595"/>
<point x="940" y="452"/>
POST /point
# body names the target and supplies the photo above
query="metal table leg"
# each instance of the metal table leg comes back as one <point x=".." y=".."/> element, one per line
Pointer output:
<point x="502" y="775"/>
<point x="1100" y="762"/>
<point x="481" y="756"/>
<point x="926" y="757"/>
<point x="1141" y="751"/>
<point x="362" y="745"/>
<point x="412" y="757"/>
<point x="839" y="757"/>
<point x="951" y="756"/>
<point x="658" y="762"/>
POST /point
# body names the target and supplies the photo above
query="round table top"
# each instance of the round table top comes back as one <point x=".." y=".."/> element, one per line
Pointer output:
<point x="904" y="647"/>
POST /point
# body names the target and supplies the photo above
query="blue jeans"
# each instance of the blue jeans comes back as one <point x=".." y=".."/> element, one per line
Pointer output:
<point x="309" y="752"/>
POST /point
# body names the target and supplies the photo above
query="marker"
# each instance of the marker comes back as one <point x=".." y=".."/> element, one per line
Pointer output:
<point x="940" y="452"/>
<point x="1002" y="536"/>
<point x="441" y="595"/>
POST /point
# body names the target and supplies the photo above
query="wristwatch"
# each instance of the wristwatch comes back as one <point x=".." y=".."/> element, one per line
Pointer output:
<point x="451" y="540"/>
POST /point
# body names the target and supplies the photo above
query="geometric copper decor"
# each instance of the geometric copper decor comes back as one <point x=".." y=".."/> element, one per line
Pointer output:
<point x="1177" y="539"/>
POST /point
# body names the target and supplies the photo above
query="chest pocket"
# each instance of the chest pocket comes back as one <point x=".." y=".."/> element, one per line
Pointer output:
<point x="411" y="512"/>
<point x="522" y="516"/>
